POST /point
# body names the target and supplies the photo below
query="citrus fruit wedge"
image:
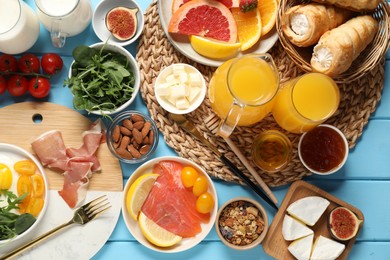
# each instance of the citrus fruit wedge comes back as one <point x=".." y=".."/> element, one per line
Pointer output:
<point x="205" y="18"/>
<point x="268" y="12"/>
<point x="248" y="27"/>
<point x="177" y="3"/>
<point x="156" y="234"/>
<point x="213" y="49"/>
<point x="138" y="192"/>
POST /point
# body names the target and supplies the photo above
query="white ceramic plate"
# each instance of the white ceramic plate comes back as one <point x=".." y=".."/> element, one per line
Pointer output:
<point x="9" y="155"/>
<point x="99" y="20"/>
<point x="186" y="243"/>
<point x="182" y="44"/>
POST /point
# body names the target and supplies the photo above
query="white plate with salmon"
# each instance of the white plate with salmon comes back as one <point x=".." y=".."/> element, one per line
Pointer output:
<point x="169" y="204"/>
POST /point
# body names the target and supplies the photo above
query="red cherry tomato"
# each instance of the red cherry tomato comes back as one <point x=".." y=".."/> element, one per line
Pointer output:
<point x="17" y="85"/>
<point x="29" y="63"/>
<point x="3" y="85"/>
<point x="39" y="87"/>
<point x="8" y="63"/>
<point x="52" y="63"/>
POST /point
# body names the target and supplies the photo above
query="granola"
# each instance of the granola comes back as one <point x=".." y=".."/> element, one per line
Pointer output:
<point x="240" y="223"/>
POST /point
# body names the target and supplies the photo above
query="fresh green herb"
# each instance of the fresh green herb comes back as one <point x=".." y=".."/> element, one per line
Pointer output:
<point x="101" y="80"/>
<point x="12" y="224"/>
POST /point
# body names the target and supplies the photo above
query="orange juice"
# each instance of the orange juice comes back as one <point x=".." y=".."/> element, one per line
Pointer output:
<point x="253" y="82"/>
<point x="306" y="102"/>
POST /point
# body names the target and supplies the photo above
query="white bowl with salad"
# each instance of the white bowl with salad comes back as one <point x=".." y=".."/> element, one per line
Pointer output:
<point x="104" y="78"/>
<point x="23" y="196"/>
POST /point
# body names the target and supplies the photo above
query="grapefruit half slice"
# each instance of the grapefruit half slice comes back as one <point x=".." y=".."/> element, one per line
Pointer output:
<point x="205" y="18"/>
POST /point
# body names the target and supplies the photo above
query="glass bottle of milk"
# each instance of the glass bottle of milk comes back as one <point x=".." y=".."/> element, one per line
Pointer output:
<point x="19" y="27"/>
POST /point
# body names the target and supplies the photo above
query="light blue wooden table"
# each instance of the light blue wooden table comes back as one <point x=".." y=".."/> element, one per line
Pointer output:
<point x="363" y="182"/>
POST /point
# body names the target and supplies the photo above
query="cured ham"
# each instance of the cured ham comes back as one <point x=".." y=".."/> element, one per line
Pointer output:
<point x="77" y="164"/>
<point x="170" y="204"/>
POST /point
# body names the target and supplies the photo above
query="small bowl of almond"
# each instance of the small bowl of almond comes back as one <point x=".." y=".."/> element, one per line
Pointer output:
<point x="132" y="137"/>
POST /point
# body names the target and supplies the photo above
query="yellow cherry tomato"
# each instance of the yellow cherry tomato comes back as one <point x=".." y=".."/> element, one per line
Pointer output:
<point x="188" y="176"/>
<point x="200" y="186"/>
<point x="5" y="177"/>
<point x="24" y="185"/>
<point x="35" y="206"/>
<point x="26" y="167"/>
<point x="38" y="185"/>
<point x="205" y="203"/>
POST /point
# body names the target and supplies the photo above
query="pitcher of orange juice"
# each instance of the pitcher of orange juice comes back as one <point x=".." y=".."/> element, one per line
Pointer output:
<point x="242" y="90"/>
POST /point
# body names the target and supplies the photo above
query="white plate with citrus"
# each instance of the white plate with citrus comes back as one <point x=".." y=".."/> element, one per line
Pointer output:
<point x="137" y="197"/>
<point x="255" y="33"/>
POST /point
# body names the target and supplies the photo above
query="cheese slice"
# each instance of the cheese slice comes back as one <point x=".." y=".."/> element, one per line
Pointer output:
<point x="308" y="209"/>
<point x="293" y="229"/>
<point x="326" y="249"/>
<point x="301" y="248"/>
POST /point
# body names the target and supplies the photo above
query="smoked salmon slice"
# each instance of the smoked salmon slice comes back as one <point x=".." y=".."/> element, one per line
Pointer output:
<point x="172" y="206"/>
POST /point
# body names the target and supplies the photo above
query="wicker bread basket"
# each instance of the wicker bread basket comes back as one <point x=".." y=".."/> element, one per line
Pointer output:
<point x="366" y="61"/>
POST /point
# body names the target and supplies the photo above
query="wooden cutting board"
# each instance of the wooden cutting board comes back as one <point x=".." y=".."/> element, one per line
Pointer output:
<point x="21" y="123"/>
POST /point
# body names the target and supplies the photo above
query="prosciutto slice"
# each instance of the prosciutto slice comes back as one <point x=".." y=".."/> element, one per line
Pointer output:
<point x="77" y="164"/>
<point x="170" y="205"/>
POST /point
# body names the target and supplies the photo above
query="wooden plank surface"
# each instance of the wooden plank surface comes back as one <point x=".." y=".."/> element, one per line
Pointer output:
<point x="18" y="127"/>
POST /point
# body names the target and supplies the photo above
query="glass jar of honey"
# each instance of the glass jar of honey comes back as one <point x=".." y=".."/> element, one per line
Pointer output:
<point x="271" y="151"/>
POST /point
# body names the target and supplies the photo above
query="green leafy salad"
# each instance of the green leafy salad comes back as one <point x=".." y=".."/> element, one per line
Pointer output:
<point x="13" y="224"/>
<point x="101" y="80"/>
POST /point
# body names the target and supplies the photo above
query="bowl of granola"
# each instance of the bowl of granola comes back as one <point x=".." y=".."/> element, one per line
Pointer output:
<point x="242" y="223"/>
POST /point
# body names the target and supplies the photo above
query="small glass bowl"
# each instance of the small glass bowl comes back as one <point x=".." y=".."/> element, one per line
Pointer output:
<point x="324" y="144"/>
<point x="243" y="204"/>
<point x="120" y="147"/>
<point x="271" y="151"/>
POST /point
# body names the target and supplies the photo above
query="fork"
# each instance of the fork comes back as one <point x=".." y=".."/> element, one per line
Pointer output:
<point x="82" y="216"/>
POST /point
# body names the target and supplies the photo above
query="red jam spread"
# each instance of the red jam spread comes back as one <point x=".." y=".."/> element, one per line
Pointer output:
<point x="322" y="149"/>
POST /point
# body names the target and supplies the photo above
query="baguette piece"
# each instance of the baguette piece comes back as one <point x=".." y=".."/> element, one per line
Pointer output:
<point x="339" y="47"/>
<point x="304" y="24"/>
<point x="354" y="5"/>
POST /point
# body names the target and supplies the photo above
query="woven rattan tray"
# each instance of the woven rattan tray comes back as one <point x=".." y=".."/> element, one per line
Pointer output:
<point x="359" y="100"/>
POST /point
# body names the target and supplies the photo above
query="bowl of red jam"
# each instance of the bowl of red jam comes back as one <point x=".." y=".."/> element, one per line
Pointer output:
<point x="323" y="150"/>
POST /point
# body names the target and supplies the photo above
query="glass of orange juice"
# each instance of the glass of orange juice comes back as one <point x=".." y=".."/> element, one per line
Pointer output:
<point x="305" y="102"/>
<point x="242" y="89"/>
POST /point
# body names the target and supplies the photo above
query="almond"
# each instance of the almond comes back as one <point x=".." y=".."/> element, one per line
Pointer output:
<point x="151" y="137"/>
<point x="137" y="118"/>
<point x="145" y="129"/>
<point x="144" y="149"/>
<point x="146" y="140"/>
<point x="128" y="124"/>
<point x="137" y="135"/>
<point x="134" y="152"/>
<point x="138" y="125"/>
<point x="116" y="133"/>
<point x="124" y="153"/>
<point x="124" y="142"/>
<point x="125" y="131"/>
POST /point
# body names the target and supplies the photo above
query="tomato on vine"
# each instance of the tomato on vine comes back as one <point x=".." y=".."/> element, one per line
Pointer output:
<point x="29" y="63"/>
<point x="3" y="85"/>
<point x="39" y="87"/>
<point x="51" y="63"/>
<point x="8" y="63"/>
<point x="17" y="85"/>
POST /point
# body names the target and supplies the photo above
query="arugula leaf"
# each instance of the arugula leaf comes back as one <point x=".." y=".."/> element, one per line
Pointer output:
<point x="101" y="79"/>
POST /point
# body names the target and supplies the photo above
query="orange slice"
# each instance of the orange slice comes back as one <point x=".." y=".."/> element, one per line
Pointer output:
<point x="268" y="12"/>
<point x="248" y="27"/>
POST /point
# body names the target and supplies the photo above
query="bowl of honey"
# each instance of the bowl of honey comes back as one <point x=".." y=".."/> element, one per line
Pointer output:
<point x="323" y="150"/>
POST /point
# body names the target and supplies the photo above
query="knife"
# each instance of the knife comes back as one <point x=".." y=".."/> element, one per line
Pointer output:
<point x="190" y="128"/>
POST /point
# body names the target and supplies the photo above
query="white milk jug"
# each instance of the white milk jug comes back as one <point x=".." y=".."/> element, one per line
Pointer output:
<point x="64" y="18"/>
<point x="19" y="27"/>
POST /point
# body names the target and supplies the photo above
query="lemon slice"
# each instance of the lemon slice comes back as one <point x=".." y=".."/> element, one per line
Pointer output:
<point x="212" y="48"/>
<point x="156" y="234"/>
<point x="138" y="192"/>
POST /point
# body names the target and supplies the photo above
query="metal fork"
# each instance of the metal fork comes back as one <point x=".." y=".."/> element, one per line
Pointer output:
<point x="82" y="215"/>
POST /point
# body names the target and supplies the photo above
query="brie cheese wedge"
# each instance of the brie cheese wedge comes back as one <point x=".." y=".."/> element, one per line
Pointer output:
<point x="326" y="249"/>
<point x="308" y="209"/>
<point x="293" y="229"/>
<point x="301" y="248"/>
